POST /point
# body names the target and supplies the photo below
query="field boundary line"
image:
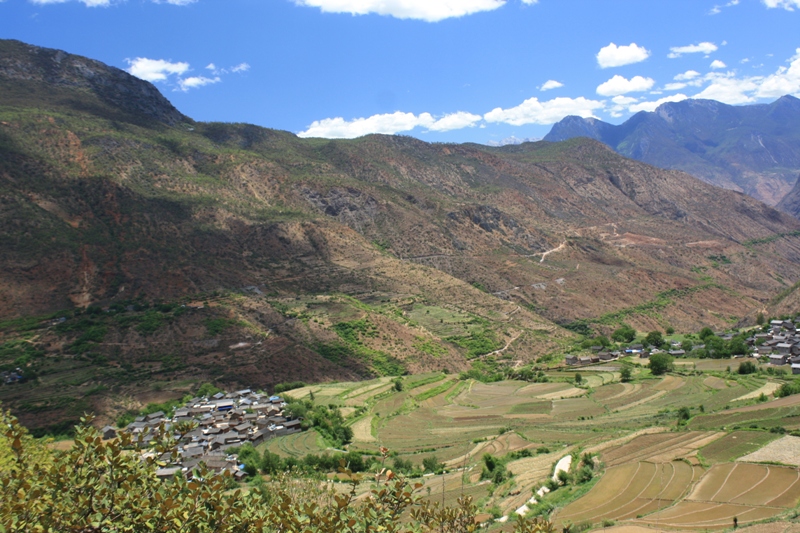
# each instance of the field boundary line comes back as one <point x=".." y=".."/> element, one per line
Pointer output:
<point x="735" y="466"/>
<point x="655" y="472"/>
<point x="766" y="476"/>
<point x="638" y="467"/>
<point x="797" y="474"/>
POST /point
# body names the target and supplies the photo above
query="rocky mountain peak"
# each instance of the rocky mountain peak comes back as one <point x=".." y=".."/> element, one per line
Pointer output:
<point x="57" y="69"/>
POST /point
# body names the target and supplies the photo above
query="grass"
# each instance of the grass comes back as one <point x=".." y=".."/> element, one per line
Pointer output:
<point x="736" y="444"/>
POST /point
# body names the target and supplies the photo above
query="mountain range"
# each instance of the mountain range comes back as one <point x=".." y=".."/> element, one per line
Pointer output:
<point x="753" y="149"/>
<point x="146" y="249"/>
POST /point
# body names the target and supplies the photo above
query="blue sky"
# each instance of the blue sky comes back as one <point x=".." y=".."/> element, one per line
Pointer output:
<point x="441" y="70"/>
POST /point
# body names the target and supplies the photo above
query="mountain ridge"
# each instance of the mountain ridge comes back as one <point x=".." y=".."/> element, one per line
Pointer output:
<point x="751" y="149"/>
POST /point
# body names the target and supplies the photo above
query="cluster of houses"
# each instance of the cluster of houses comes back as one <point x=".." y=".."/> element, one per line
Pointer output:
<point x="12" y="377"/>
<point x="781" y="344"/>
<point x="221" y="422"/>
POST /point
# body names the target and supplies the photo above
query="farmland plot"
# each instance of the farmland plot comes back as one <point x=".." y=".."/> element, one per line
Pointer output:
<point x="735" y="445"/>
<point x="661" y="445"/>
<point x="747" y="491"/>
<point x="785" y="450"/>
<point x="631" y="490"/>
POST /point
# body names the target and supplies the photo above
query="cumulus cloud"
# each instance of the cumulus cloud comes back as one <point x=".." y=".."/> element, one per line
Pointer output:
<point x="427" y="10"/>
<point x="651" y="106"/>
<point x="788" y="5"/>
<point x="785" y="81"/>
<point x="675" y="86"/>
<point x="155" y="69"/>
<point x="551" y="84"/>
<point x="617" y="56"/>
<point x="686" y="76"/>
<point x="702" y="48"/>
<point x="717" y="64"/>
<point x="718" y="8"/>
<point x="621" y="104"/>
<point x="193" y="82"/>
<point x="728" y="89"/>
<point x="532" y="111"/>
<point x="620" y="85"/>
<point x="388" y="123"/>
<point x="175" y="73"/>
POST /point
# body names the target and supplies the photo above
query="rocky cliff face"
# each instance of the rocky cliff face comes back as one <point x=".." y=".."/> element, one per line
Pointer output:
<point x="753" y="149"/>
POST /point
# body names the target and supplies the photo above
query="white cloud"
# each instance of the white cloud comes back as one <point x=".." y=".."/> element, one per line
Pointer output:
<point x="193" y="82"/>
<point x="718" y="8"/>
<point x="717" y="64"/>
<point x="617" y="56"/>
<point x="788" y="5"/>
<point x="389" y="124"/>
<point x="241" y="67"/>
<point x="532" y="111"/>
<point x="427" y="10"/>
<point x="651" y="106"/>
<point x="702" y="48"/>
<point x="455" y="121"/>
<point x="785" y="81"/>
<point x="686" y="76"/>
<point x="211" y="66"/>
<point x="551" y="84"/>
<point x="620" y="85"/>
<point x="728" y="89"/>
<point x="155" y="69"/>
<point x="675" y="86"/>
<point x="621" y="104"/>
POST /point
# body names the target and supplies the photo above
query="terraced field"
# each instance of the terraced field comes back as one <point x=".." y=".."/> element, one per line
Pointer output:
<point x="631" y="490"/>
<point x="651" y="471"/>
<point x="746" y="491"/>
<point x="659" y="447"/>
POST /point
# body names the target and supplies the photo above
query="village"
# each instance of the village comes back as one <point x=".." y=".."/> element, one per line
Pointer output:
<point x="220" y="422"/>
<point x="779" y="346"/>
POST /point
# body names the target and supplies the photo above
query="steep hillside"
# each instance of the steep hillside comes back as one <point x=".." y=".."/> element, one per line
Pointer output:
<point x="316" y="259"/>
<point x="753" y="149"/>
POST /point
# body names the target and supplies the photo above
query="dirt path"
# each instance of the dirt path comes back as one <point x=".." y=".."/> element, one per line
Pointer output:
<point x="557" y="249"/>
<point x="504" y="348"/>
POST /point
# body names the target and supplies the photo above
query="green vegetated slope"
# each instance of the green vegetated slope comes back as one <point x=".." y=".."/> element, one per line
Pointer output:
<point x="334" y="259"/>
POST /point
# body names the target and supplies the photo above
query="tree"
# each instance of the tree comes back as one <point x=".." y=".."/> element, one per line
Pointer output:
<point x="624" y="334"/>
<point x="687" y="345"/>
<point x="654" y="338"/>
<point x="578" y="378"/>
<point x="670" y="330"/>
<point x="684" y="415"/>
<point x="625" y="374"/>
<point x="760" y="319"/>
<point x="705" y="333"/>
<point x="398" y="384"/>
<point x="747" y="367"/>
<point x="660" y="363"/>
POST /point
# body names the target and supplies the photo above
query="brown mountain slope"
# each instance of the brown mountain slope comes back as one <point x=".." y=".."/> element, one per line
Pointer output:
<point x="331" y="259"/>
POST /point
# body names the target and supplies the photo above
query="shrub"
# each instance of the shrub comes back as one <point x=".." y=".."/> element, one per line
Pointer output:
<point x="747" y="367"/>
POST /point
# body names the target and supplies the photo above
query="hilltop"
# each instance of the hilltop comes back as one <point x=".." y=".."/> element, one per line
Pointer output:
<point x="751" y="148"/>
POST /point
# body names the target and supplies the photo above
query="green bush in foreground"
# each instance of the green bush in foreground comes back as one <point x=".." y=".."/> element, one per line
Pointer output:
<point x="100" y="486"/>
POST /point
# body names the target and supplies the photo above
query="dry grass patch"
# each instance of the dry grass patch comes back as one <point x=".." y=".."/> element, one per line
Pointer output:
<point x="785" y="450"/>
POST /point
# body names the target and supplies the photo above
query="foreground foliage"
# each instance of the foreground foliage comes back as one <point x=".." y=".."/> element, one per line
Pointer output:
<point x="104" y="486"/>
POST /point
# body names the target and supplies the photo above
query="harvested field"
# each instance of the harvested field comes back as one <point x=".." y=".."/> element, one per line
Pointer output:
<point x="362" y="430"/>
<point x="767" y="390"/>
<point x="785" y="450"/>
<point x="632" y="489"/>
<point x="736" y="444"/>
<point x="574" y="408"/>
<point x="672" y="445"/>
